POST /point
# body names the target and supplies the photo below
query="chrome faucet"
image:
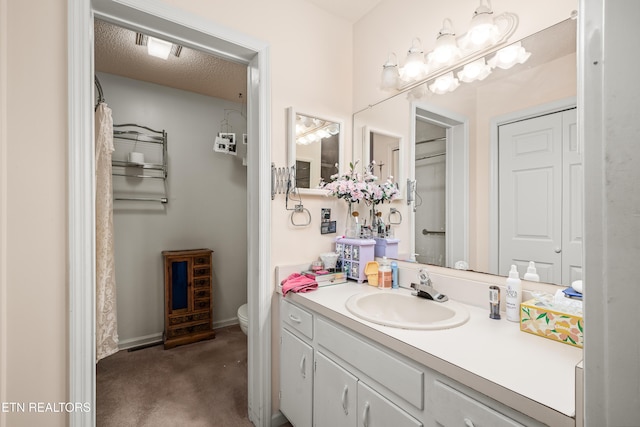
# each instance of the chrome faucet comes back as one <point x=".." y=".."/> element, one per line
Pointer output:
<point x="425" y="288"/>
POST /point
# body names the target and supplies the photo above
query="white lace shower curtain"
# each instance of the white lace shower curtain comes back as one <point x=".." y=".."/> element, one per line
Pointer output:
<point x="106" y="322"/>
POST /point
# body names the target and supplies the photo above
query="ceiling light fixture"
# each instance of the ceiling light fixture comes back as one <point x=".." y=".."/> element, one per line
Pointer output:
<point x="158" y="47"/>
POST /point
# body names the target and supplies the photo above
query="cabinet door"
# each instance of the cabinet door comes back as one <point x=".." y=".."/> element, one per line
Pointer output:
<point x="335" y="395"/>
<point x="296" y="379"/>
<point x="374" y="410"/>
<point x="179" y="291"/>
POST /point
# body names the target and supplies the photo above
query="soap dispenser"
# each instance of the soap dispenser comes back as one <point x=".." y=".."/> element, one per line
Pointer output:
<point x="531" y="274"/>
<point x="514" y="295"/>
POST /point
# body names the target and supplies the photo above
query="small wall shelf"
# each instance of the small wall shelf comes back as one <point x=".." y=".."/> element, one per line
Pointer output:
<point x="128" y="138"/>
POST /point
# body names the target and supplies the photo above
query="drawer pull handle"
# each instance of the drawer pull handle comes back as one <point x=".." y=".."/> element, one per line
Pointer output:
<point x="302" y="366"/>
<point x="365" y="415"/>
<point x="345" y="393"/>
<point x="295" y="318"/>
<point x="468" y="422"/>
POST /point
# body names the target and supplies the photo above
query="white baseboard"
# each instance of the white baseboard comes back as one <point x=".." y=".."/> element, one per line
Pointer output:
<point x="139" y="341"/>
<point x="157" y="337"/>
<point x="223" y="323"/>
<point x="278" y="419"/>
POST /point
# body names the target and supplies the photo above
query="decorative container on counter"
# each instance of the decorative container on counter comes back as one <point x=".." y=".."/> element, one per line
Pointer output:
<point x="386" y="247"/>
<point x="554" y="322"/>
<point x="353" y="255"/>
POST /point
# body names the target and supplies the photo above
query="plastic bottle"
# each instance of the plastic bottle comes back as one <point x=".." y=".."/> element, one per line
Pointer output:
<point x="384" y="274"/>
<point x="514" y="295"/>
<point x="531" y="273"/>
<point x="394" y="275"/>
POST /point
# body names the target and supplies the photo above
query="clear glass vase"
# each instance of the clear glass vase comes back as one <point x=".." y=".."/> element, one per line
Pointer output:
<point x="352" y="229"/>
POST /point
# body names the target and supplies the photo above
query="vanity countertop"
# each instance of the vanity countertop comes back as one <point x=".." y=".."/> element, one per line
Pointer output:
<point x="528" y="373"/>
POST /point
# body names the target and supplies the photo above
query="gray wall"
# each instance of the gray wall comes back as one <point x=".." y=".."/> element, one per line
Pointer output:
<point x="207" y="206"/>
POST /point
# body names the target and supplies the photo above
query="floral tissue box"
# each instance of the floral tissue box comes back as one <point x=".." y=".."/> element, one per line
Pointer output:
<point x="559" y="322"/>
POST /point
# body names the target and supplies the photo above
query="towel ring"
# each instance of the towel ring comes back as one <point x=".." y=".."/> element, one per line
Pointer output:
<point x="301" y="209"/>
<point x="394" y="211"/>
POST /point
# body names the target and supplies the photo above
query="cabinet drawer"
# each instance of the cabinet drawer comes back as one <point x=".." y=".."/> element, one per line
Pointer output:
<point x="188" y="318"/>
<point x="186" y="330"/>
<point x="202" y="259"/>
<point x="453" y="408"/>
<point x="401" y="378"/>
<point x="201" y="304"/>
<point x="201" y="271"/>
<point x="201" y="293"/>
<point x="202" y="282"/>
<point x="301" y="320"/>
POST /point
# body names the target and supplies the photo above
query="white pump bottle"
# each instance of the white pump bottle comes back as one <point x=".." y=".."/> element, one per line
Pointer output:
<point x="514" y="295"/>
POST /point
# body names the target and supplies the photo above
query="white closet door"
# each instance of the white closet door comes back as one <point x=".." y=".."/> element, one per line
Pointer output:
<point x="530" y="196"/>
<point x="572" y="224"/>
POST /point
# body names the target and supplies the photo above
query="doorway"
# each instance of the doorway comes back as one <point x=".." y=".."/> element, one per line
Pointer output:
<point x="190" y="30"/>
<point x="439" y="170"/>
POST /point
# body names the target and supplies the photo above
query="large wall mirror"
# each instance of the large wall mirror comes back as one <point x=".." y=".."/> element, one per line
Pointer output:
<point x="315" y="149"/>
<point x="450" y="152"/>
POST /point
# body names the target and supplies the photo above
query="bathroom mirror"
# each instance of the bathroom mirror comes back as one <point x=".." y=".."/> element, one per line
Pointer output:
<point x="384" y="148"/>
<point x="426" y="123"/>
<point x="315" y="149"/>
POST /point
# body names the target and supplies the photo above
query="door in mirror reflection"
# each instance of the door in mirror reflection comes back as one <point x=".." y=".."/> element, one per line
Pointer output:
<point x="540" y="197"/>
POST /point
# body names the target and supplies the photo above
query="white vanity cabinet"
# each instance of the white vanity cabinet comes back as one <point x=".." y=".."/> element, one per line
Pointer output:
<point x="341" y="400"/>
<point x="296" y="365"/>
<point x="335" y="394"/>
<point x="358" y="382"/>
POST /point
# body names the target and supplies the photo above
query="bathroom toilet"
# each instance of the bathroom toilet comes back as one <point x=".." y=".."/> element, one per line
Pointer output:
<point x="243" y="317"/>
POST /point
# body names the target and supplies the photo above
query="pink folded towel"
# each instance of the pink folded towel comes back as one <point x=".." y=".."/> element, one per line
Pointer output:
<point x="297" y="282"/>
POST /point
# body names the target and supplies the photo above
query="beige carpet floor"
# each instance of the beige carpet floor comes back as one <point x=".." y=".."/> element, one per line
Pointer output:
<point x="202" y="384"/>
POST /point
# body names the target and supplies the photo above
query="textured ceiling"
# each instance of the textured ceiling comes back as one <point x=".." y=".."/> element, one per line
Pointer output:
<point x="117" y="53"/>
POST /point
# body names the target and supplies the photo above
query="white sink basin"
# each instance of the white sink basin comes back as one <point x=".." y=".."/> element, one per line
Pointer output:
<point x="405" y="311"/>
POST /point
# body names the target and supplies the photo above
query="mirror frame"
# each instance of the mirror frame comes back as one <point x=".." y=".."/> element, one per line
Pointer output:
<point x="291" y="146"/>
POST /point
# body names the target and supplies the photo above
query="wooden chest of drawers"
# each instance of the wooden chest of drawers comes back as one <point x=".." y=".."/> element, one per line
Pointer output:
<point x="188" y="297"/>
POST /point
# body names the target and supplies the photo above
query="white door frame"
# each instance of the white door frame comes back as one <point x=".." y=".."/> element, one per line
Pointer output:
<point x="193" y="31"/>
<point x="457" y="179"/>
<point x="494" y="208"/>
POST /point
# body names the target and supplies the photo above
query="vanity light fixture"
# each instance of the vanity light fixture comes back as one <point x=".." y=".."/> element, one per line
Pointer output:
<point x="390" y="73"/>
<point x="157" y="47"/>
<point x="310" y="130"/>
<point x="482" y="31"/>
<point x="414" y="67"/>
<point x="509" y="56"/>
<point x="487" y="32"/>
<point x="444" y="84"/>
<point x="476" y="70"/>
<point x="446" y="51"/>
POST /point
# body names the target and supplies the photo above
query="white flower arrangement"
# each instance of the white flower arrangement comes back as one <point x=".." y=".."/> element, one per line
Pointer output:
<point x="354" y="187"/>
